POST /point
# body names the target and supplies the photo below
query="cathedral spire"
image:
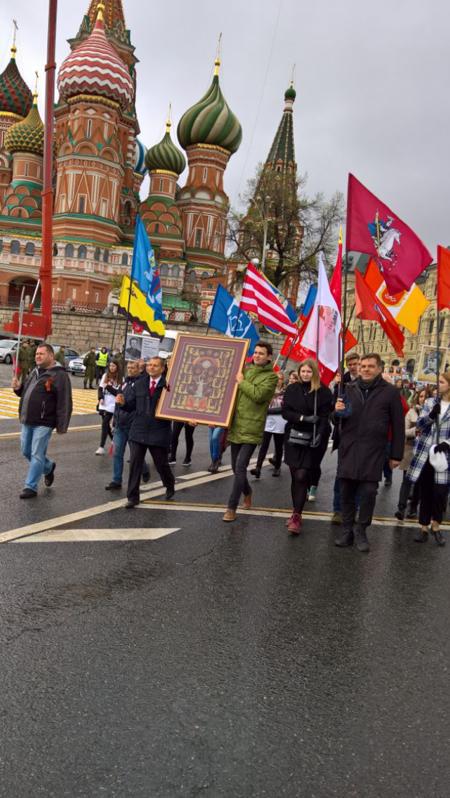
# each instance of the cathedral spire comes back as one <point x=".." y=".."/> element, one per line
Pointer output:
<point x="282" y="152"/>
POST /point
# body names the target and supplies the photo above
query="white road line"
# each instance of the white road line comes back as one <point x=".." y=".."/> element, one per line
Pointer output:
<point x="5" y="435"/>
<point x="97" y="535"/>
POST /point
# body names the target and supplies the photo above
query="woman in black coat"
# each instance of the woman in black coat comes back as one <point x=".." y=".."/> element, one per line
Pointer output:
<point x="307" y="406"/>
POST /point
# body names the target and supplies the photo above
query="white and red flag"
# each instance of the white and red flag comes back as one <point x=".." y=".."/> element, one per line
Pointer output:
<point x="258" y="297"/>
<point x="322" y="334"/>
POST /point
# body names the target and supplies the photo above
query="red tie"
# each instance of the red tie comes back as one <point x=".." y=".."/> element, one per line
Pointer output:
<point x="152" y="387"/>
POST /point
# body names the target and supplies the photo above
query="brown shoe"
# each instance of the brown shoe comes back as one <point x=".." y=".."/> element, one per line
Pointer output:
<point x="247" y="503"/>
<point x="230" y="515"/>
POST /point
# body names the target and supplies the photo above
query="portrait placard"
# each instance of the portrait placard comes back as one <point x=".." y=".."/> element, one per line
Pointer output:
<point x="428" y="363"/>
<point x="202" y="379"/>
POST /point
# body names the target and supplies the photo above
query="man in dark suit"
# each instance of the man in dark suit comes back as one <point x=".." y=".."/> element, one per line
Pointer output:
<point x="148" y="432"/>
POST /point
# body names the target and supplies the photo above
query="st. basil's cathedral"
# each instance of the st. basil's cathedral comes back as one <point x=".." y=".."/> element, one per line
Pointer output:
<point x="100" y="164"/>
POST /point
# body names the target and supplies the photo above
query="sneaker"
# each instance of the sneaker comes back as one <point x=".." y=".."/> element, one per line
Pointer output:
<point x="312" y="493"/>
<point x="399" y="515"/>
<point x="294" y="524"/>
<point x="131" y="503"/>
<point x="336" y="519"/>
<point x="186" y="463"/>
<point x="421" y="536"/>
<point x="362" y="544"/>
<point x="113" y="486"/>
<point x="50" y="477"/>
<point x="100" y="450"/>
<point x="344" y="539"/>
<point x="28" y="493"/>
<point x="172" y="461"/>
<point x="255" y="472"/>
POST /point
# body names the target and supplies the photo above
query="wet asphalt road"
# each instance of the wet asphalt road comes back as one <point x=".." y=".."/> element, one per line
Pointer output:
<point x="221" y="660"/>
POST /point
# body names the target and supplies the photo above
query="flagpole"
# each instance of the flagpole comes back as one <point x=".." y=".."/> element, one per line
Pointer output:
<point x="19" y="333"/>
<point x="437" y="348"/>
<point x="361" y="330"/>
<point x="344" y="326"/>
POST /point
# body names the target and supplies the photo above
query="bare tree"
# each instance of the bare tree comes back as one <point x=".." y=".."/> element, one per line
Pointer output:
<point x="295" y="227"/>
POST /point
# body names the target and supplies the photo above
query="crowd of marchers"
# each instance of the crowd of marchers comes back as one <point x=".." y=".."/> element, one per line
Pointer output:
<point x="375" y="425"/>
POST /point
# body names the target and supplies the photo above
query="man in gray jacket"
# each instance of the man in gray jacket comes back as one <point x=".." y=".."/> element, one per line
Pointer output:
<point x="45" y="404"/>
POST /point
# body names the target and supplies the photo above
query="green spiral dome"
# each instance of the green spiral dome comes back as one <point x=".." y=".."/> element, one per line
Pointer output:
<point x="27" y="135"/>
<point x="290" y="93"/>
<point x="165" y="155"/>
<point x="210" y="121"/>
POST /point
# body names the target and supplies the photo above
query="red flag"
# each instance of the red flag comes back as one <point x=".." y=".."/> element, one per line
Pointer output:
<point x="258" y="297"/>
<point x="369" y="307"/>
<point x="372" y="228"/>
<point x="336" y="278"/>
<point x="443" y="278"/>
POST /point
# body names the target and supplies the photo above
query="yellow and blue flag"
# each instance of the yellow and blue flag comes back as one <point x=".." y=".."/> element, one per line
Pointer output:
<point x="144" y="270"/>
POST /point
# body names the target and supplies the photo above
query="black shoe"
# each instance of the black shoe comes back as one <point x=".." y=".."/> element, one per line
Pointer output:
<point x="421" y="536"/>
<point x="113" y="486"/>
<point x="146" y="477"/>
<point x="412" y="512"/>
<point x="170" y="493"/>
<point x="272" y="461"/>
<point x="213" y="467"/>
<point x="130" y="504"/>
<point x="256" y="472"/>
<point x="439" y="537"/>
<point x="276" y="472"/>
<point x="345" y="539"/>
<point x="186" y="463"/>
<point x="50" y="477"/>
<point x="400" y="516"/>
<point x="362" y="544"/>
<point x="27" y="493"/>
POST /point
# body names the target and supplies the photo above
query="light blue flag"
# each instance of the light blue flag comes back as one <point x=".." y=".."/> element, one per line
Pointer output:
<point x="226" y="317"/>
<point x="144" y="270"/>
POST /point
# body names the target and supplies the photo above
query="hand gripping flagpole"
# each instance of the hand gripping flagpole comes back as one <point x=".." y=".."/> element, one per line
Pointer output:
<point x="437" y="352"/>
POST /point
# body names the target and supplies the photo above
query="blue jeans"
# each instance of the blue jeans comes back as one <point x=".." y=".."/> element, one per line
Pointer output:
<point x="33" y="443"/>
<point x="120" y="440"/>
<point x="215" y="435"/>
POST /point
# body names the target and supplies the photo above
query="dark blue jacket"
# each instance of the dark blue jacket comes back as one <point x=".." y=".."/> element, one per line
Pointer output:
<point x="124" y="414"/>
<point x="145" y="428"/>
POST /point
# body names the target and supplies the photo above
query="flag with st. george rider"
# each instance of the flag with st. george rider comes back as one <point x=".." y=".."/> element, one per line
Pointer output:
<point x="226" y="317"/>
<point x="374" y="229"/>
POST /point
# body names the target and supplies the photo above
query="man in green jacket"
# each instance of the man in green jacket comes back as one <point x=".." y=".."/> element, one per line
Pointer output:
<point x="256" y="387"/>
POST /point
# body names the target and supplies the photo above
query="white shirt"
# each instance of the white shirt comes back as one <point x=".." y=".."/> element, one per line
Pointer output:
<point x="444" y="408"/>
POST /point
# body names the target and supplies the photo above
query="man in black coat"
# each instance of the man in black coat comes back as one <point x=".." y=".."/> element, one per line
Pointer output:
<point x="372" y="408"/>
<point x="148" y="432"/>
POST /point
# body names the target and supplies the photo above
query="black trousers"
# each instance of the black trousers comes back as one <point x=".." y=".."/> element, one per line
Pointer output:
<point x="137" y="456"/>
<point x="408" y="491"/>
<point x="106" y="427"/>
<point x="433" y="498"/>
<point x="240" y="457"/>
<point x="278" y="439"/>
<point x="177" y="426"/>
<point x="367" y="495"/>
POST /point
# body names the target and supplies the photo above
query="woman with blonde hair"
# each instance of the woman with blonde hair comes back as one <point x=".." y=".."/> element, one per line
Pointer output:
<point x="306" y="407"/>
<point x="430" y="467"/>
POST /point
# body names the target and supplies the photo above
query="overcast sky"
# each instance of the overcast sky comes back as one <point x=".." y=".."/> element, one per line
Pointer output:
<point x="372" y="82"/>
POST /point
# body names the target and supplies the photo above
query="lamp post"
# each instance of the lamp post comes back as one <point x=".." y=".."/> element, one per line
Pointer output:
<point x="263" y="205"/>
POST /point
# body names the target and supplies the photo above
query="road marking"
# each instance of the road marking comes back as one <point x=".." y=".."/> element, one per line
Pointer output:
<point x="84" y="402"/>
<point x="98" y="535"/>
<point x="6" y="435"/>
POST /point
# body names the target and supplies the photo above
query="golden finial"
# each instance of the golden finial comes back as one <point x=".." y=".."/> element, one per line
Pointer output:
<point x="169" y="119"/>
<point x="14" y="48"/>
<point x="35" y="93"/>
<point x="217" y="61"/>
<point x="100" y="10"/>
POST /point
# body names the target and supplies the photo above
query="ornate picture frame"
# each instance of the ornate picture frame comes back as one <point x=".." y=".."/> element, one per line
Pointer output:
<point x="202" y="379"/>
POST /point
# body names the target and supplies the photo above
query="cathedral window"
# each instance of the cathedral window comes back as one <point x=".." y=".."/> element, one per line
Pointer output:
<point x="15" y="247"/>
<point x="89" y="128"/>
<point x="74" y="293"/>
<point x="106" y="256"/>
<point x="124" y="259"/>
<point x="104" y="207"/>
<point x="82" y="202"/>
<point x="198" y="238"/>
<point x="97" y="253"/>
<point x="161" y="184"/>
<point x="97" y="296"/>
<point x="1" y="244"/>
<point x="205" y="174"/>
<point x="69" y="251"/>
<point x="82" y="251"/>
<point x="62" y="203"/>
<point x="175" y="271"/>
<point x="431" y="326"/>
<point x="29" y="248"/>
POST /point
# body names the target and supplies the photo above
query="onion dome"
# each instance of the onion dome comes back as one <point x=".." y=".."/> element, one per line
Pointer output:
<point x="290" y="93"/>
<point x="94" y="68"/>
<point x="139" y="158"/>
<point x="15" y="96"/>
<point x="165" y="155"/>
<point x="27" y="135"/>
<point x="210" y="121"/>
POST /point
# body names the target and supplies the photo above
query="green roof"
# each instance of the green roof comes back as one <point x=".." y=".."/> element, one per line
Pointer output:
<point x="282" y="148"/>
<point x="175" y="302"/>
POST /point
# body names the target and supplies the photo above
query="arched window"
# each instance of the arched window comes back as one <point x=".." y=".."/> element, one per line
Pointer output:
<point x="1" y="244"/>
<point x="106" y="256"/>
<point x="55" y="250"/>
<point x="69" y="251"/>
<point x="124" y="259"/>
<point x="164" y="270"/>
<point x="15" y="247"/>
<point x="97" y="253"/>
<point x="175" y="271"/>
<point x="82" y="251"/>
<point x="29" y="248"/>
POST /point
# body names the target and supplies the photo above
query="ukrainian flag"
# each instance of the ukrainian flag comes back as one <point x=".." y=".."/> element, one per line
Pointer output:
<point x="136" y="308"/>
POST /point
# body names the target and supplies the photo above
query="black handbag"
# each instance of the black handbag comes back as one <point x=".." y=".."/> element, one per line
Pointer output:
<point x="300" y="437"/>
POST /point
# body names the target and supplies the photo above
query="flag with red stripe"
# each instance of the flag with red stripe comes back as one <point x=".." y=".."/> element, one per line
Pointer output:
<point x="258" y="298"/>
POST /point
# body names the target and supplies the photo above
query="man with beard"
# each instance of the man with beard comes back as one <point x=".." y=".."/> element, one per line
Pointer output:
<point x="372" y="409"/>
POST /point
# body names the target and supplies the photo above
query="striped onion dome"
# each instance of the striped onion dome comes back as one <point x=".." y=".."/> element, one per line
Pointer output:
<point x="165" y="155"/>
<point x="94" y="68"/>
<point x="139" y="158"/>
<point x="27" y="135"/>
<point x="15" y="96"/>
<point x="210" y="121"/>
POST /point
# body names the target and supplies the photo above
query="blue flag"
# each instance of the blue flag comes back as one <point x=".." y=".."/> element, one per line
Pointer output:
<point x="309" y="301"/>
<point x="144" y="270"/>
<point x="227" y="318"/>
